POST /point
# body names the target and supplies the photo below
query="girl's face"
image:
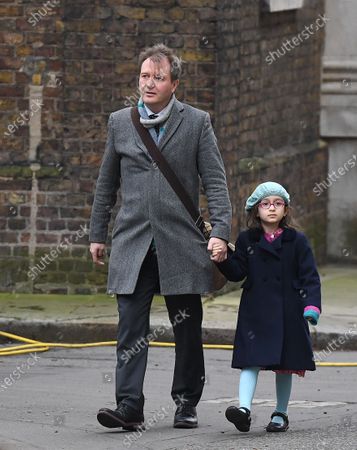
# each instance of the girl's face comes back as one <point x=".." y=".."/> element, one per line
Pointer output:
<point x="271" y="210"/>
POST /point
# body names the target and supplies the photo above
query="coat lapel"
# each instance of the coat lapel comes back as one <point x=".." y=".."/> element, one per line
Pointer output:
<point x="271" y="247"/>
<point x="172" y="123"/>
<point x="139" y="142"/>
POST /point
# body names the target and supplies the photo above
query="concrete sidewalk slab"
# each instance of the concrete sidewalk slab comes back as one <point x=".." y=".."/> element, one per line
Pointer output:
<point x="89" y="318"/>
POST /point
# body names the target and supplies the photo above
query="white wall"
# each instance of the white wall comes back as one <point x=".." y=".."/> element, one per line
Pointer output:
<point x="339" y="124"/>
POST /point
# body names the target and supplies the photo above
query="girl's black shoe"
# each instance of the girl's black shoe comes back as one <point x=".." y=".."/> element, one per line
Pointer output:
<point x="240" y="419"/>
<point x="273" y="427"/>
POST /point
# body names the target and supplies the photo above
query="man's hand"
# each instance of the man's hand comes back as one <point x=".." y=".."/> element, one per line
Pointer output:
<point x="97" y="252"/>
<point x="218" y="249"/>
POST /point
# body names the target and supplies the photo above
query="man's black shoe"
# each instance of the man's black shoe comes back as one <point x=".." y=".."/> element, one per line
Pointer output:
<point x="122" y="417"/>
<point x="185" y="416"/>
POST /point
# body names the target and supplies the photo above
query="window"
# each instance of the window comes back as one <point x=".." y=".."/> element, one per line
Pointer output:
<point x="281" y="5"/>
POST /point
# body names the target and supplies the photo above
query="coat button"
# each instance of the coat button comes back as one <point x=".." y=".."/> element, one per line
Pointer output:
<point x="265" y="279"/>
<point x="277" y="278"/>
<point x="154" y="165"/>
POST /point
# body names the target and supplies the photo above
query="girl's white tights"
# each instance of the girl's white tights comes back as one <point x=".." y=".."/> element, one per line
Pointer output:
<point x="248" y="383"/>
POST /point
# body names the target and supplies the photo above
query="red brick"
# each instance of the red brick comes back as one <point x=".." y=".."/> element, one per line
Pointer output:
<point x="25" y="237"/>
<point x="56" y="199"/>
<point x="87" y="186"/>
<point x="10" y="11"/>
<point x="57" y="224"/>
<point x="75" y="212"/>
<point x="5" y="251"/>
<point x="10" y="63"/>
<point x="17" y="224"/>
<point x="47" y="212"/>
<point x="47" y="238"/>
<point x="41" y="225"/>
<point x="6" y="77"/>
<point x="21" y="78"/>
<point x="7" y="51"/>
<point x="10" y="91"/>
<point x="24" y="211"/>
<point x="8" y="237"/>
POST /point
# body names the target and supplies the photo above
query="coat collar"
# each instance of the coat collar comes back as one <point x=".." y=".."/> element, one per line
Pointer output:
<point x="257" y="235"/>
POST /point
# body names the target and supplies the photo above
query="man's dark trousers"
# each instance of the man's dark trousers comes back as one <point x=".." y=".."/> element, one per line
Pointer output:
<point x="185" y="314"/>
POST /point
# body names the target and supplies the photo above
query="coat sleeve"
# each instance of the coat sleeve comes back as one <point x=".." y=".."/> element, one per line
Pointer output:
<point x="308" y="275"/>
<point x="212" y="173"/>
<point x="235" y="267"/>
<point x="106" y="189"/>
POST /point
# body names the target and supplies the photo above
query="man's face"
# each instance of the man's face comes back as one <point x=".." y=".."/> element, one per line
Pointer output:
<point x="155" y="84"/>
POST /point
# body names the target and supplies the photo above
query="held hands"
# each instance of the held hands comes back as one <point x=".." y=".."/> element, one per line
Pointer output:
<point x="218" y="249"/>
<point x="97" y="252"/>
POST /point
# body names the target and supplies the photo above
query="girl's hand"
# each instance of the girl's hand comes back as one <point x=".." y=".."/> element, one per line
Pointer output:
<point x="312" y="314"/>
<point x="218" y="249"/>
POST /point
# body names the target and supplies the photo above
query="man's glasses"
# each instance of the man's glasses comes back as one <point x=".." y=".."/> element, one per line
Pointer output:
<point x="265" y="204"/>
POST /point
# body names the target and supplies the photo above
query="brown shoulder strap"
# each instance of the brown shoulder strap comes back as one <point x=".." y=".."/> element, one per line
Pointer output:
<point x="166" y="170"/>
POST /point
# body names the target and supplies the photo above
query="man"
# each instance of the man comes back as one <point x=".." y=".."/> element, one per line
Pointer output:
<point x="156" y="246"/>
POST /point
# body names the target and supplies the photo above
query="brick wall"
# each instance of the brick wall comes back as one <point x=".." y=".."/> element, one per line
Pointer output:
<point x="267" y="115"/>
<point x="73" y="63"/>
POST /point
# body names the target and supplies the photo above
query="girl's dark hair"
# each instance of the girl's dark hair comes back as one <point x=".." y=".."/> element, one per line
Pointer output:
<point x="253" y="221"/>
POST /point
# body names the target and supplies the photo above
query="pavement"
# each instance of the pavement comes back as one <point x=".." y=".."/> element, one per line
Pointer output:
<point x="93" y="318"/>
<point x="52" y="405"/>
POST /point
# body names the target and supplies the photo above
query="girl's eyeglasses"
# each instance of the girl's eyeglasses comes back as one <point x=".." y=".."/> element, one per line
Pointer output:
<point x="265" y="204"/>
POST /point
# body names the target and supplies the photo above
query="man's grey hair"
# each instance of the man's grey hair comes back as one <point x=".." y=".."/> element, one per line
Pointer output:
<point x="157" y="53"/>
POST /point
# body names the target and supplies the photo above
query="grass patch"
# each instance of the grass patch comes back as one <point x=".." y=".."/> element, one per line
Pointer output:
<point x="22" y="297"/>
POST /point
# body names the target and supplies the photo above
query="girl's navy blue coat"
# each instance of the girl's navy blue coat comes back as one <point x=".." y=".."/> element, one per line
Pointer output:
<point x="281" y="279"/>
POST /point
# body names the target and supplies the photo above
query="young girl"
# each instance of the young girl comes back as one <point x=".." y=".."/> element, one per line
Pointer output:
<point x="281" y="292"/>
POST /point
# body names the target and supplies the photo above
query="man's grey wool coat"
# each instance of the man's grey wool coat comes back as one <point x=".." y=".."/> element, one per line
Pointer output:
<point x="150" y="208"/>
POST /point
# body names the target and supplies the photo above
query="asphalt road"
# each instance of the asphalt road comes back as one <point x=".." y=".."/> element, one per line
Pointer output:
<point x="49" y="401"/>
